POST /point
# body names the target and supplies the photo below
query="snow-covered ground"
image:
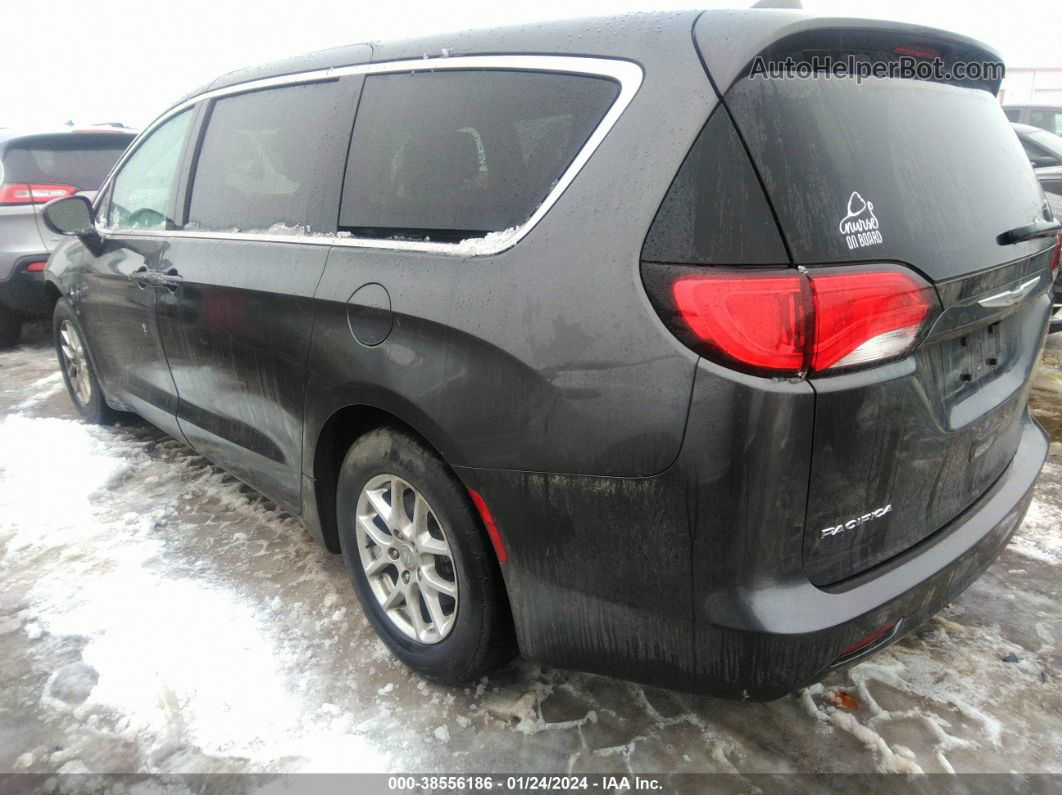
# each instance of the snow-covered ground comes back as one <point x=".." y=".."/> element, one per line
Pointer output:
<point x="157" y="616"/>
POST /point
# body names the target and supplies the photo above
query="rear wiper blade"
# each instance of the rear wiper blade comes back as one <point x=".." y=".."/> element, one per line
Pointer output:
<point x="1020" y="234"/>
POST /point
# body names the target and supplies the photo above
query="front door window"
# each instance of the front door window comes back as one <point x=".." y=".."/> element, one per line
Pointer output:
<point x="143" y="190"/>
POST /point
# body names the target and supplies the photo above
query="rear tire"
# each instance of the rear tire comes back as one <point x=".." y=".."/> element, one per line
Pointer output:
<point x="408" y="559"/>
<point x="75" y="363"/>
<point x="10" y="328"/>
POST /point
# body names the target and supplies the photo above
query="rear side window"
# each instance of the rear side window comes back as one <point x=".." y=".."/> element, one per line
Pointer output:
<point x="82" y="160"/>
<point x="1047" y="143"/>
<point x="1013" y="114"/>
<point x="1046" y="120"/>
<point x="272" y="160"/>
<point x="456" y="154"/>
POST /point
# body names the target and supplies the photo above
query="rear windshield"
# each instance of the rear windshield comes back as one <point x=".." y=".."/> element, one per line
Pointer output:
<point x="921" y="172"/>
<point x="81" y="160"/>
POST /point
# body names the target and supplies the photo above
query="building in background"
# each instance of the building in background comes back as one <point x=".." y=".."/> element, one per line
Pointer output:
<point x="1032" y="86"/>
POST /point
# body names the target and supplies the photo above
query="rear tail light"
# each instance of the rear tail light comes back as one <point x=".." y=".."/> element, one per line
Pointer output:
<point x="866" y="317"/>
<point x="758" y="321"/>
<point x="1054" y="259"/>
<point x="34" y="194"/>
<point x="789" y="322"/>
<point x="36" y="267"/>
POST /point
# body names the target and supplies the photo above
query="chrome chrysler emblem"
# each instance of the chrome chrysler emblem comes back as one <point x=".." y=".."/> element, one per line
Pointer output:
<point x="1010" y="297"/>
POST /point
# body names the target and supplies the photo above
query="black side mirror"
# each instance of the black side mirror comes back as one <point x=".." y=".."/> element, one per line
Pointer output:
<point x="1043" y="161"/>
<point x="71" y="216"/>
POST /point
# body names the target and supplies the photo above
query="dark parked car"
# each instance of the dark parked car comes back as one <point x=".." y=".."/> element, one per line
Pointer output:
<point x="1046" y="117"/>
<point x="36" y="168"/>
<point x="1045" y="153"/>
<point x="567" y="354"/>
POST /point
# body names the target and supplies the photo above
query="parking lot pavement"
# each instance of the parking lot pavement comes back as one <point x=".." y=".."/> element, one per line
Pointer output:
<point x="157" y="616"/>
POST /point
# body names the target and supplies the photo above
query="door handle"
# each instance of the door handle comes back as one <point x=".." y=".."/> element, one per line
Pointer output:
<point x="171" y="280"/>
<point x="142" y="277"/>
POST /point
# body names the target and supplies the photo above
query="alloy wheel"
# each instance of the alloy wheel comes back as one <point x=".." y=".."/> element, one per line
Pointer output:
<point x="76" y="362"/>
<point x="407" y="558"/>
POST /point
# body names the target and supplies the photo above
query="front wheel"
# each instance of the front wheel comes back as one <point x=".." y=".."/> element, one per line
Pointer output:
<point x="420" y="563"/>
<point x="76" y="366"/>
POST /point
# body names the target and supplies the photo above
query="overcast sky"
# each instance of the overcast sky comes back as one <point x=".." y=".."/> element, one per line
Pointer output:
<point x="126" y="60"/>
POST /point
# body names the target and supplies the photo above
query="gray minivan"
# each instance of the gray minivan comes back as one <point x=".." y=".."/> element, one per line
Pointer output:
<point x="583" y="340"/>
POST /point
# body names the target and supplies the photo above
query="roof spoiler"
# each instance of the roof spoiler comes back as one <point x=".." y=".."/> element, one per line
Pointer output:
<point x="729" y="41"/>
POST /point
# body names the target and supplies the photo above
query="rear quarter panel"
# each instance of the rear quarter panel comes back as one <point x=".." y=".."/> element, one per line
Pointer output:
<point x="548" y="356"/>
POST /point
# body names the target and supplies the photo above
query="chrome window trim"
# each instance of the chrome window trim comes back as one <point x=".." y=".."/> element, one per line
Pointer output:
<point x="628" y="74"/>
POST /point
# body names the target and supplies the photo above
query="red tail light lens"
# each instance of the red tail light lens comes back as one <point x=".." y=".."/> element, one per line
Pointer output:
<point x="36" y="267"/>
<point x="34" y="194"/>
<point x="1054" y="259"/>
<point x="789" y="322"/>
<point x="866" y="317"/>
<point x="760" y="322"/>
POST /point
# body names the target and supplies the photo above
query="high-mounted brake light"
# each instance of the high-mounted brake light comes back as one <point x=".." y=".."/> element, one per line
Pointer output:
<point x="787" y="322"/>
<point x="33" y="194"/>
<point x="916" y="52"/>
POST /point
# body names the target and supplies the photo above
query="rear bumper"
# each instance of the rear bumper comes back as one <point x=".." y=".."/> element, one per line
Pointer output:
<point x="805" y="629"/>
<point x="22" y="292"/>
<point x="631" y="577"/>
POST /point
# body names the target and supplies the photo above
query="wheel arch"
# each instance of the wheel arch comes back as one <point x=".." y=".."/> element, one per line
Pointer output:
<point x="52" y="295"/>
<point x="330" y="445"/>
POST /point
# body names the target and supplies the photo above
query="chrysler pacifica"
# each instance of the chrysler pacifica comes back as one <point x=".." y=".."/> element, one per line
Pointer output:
<point x="581" y="341"/>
